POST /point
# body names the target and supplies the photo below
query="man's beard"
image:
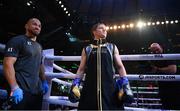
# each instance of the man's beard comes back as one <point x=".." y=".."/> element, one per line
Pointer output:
<point x="34" y="33"/>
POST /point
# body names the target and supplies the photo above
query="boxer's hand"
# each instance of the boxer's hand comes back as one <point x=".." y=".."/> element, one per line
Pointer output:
<point x="74" y="93"/>
<point x="125" y="93"/>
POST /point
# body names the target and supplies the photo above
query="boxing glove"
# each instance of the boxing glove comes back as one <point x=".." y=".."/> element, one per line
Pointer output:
<point x="45" y="86"/>
<point x="17" y="94"/>
<point x="74" y="93"/>
<point x="125" y="93"/>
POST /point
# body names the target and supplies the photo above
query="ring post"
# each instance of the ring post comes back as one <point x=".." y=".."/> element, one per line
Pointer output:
<point x="48" y="66"/>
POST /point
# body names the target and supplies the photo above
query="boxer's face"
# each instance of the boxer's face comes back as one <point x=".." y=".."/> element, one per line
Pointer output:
<point x="100" y="32"/>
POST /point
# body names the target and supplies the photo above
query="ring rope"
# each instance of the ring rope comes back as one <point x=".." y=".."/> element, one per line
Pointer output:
<point x="140" y="77"/>
<point x="140" y="57"/>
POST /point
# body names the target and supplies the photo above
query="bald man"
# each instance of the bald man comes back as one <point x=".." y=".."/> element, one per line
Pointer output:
<point x="23" y="69"/>
<point x="168" y="67"/>
<point x="168" y="91"/>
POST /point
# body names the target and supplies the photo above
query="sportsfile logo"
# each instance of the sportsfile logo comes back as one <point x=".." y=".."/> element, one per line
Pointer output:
<point x="157" y="77"/>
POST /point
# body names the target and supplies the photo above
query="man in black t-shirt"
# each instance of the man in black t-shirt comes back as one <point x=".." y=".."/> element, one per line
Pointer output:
<point x="168" y="91"/>
<point x="23" y="69"/>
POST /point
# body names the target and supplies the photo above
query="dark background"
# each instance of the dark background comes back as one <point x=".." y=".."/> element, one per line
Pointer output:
<point x="68" y="34"/>
<point x="83" y="13"/>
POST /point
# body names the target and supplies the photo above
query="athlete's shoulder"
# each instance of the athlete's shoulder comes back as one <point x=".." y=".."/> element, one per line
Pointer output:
<point x="18" y="38"/>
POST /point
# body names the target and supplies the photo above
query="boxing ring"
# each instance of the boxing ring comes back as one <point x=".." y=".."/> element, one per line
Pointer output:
<point x="50" y="58"/>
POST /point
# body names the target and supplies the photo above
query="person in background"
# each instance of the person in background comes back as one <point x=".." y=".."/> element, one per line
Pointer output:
<point x="24" y="70"/>
<point x="168" y="90"/>
<point x="101" y="91"/>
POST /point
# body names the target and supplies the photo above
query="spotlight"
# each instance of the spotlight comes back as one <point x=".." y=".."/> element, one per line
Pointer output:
<point x="66" y="12"/>
<point x="69" y="14"/>
<point x="62" y="6"/>
<point x="153" y="23"/>
<point x="119" y="27"/>
<point x="167" y="22"/>
<point x="149" y="23"/>
<point x="131" y="25"/>
<point x="28" y="4"/>
<point x="172" y="22"/>
<point x="123" y="26"/>
<point x="115" y="27"/>
<point x="60" y="2"/>
<point x="176" y="21"/>
<point x="144" y="24"/>
<point x="64" y="9"/>
<point x="107" y="28"/>
<point x="140" y="24"/>
<point x="157" y="23"/>
<point x="162" y="23"/>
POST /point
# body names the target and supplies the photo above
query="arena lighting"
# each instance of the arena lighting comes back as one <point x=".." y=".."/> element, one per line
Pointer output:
<point x="157" y="23"/>
<point x="167" y="21"/>
<point x="131" y="25"/>
<point x="107" y="28"/>
<point x="149" y="23"/>
<point x="172" y="22"/>
<point x="144" y="24"/>
<point x="64" y="8"/>
<point x="28" y="4"/>
<point x="176" y="21"/>
<point x="123" y="26"/>
<point x="140" y="24"/>
<point x="115" y="27"/>
<point x="30" y="1"/>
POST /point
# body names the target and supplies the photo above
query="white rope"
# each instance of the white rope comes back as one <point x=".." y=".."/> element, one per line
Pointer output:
<point x="149" y="77"/>
<point x="140" y="77"/>
<point x="62" y="82"/>
<point x="62" y="69"/>
<point x="59" y="100"/>
<point x="144" y="88"/>
<point x="146" y="92"/>
<point x="123" y="57"/>
<point x="147" y="104"/>
<point x="147" y="99"/>
<point x="60" y="75"/>
<point x="2" y="47"/>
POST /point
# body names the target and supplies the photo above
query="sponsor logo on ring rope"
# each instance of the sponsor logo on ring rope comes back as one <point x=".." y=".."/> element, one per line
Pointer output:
<point x="157" y="77"/>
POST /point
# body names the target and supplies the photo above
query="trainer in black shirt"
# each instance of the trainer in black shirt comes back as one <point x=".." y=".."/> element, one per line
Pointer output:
<point x="23" y="69"/>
